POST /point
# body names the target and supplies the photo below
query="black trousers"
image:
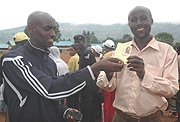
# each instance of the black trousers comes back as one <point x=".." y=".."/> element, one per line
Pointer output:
<point x="89" y="103"/>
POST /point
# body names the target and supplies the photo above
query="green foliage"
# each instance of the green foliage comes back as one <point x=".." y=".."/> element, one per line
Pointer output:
<point x="126" y="38"/>
<point x="115" y="31"/>
<point x="57" y="32"/>
<point x="176" y="45"/>
<point x="90" y="37"/>
<point x="69" y="39"/>
<point x="109" y="38"/>
<point x="165" y="37"/>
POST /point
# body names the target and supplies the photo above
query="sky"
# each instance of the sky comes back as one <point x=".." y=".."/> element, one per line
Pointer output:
<point x="14" y="13"/>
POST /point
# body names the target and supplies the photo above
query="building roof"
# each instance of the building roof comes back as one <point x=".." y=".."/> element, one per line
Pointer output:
<point x="62" y="43"/>
<point x="3" y="45"/>
<point x="12" y="42"/>
<point x="98" y="44"/>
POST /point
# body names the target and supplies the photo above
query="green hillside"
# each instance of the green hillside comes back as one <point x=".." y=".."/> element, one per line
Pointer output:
<point x="115" y="31"/>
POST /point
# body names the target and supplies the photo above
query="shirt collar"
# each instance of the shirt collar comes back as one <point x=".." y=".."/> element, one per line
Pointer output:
<point x="153" y="44"/>
<point x="37" y="51"/>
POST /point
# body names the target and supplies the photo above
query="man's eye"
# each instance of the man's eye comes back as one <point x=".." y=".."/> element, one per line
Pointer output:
<point x="133" y="20"/>
<point x="143" y="18"/>
<point x="47" y="28"/>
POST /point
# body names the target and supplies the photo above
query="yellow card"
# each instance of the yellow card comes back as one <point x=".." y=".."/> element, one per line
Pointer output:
<point x="123" y="52"/>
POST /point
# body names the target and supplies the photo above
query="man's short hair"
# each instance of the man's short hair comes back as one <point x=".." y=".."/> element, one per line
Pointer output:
<point x="79" y="37"/>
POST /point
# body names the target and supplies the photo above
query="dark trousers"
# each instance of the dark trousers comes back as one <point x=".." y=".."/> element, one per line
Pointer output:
<point x="87" y="108"/>
<point x="89" y="103"/>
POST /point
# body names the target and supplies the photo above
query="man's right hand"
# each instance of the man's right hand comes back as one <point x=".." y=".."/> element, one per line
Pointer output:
<point x="108" y="65"/>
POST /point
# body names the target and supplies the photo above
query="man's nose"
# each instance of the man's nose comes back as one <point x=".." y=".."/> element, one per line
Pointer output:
<point x="139" y="22"/>
<point x="53" y="34"/>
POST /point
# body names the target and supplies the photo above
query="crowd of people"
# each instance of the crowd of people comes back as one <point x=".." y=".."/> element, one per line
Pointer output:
<point x="38" y="86"/>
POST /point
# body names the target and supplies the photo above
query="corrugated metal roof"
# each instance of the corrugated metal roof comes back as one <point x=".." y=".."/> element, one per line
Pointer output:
<point x="98" y="44"/>
<point x="12" y="42"/>
<point x="3" y="45"/>
<point x="63" y="43"/>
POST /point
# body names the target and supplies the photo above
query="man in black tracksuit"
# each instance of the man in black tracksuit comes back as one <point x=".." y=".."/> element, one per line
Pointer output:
<point x="88" y="95"/>
<point x="32" y="88"/>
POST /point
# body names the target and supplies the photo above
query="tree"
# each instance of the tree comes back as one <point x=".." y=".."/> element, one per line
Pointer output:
<point x="94" y="38"/>
<point x="69" y="39"/>
<point x="126" y="38"/>
<point x="57" y="32"/>
<point x="165" y="37"/>
<point x="110" y="38"/>
<point x="90" y="37"/>
<point x="176" y="45"/>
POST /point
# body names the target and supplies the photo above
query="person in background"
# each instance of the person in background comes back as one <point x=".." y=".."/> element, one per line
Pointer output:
<point x="172" y="107"/>
<point x="178" y="94"/>
<point x="107" y="107"/>
<point x="73" y="61"/>
<point x="173" y="100"/>
<point x="62" y="67"/>
<point x="32" y="88"/>
<point x="1" y="99"/>
<point x="20" y="39"/>
<point x="89" y="94"/>
<point x="73" y="100"/>
<point x="109" y="47"/>
<point x="149" y="77"/>
<point x="97" y="51"/>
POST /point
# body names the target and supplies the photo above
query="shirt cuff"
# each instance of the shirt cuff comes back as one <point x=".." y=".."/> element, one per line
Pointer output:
<point x="64" y="115"/>
<point x="147" y="80"/>
<point x="91" y="72"/>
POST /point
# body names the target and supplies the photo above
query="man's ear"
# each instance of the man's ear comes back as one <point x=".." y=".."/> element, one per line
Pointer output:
<point x="152" y="21"/>
<point x="30" y="28"/>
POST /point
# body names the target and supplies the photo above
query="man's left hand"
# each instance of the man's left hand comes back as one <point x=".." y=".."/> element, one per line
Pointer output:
<point x="136" y="64"/>
<point x="70" y="118"/>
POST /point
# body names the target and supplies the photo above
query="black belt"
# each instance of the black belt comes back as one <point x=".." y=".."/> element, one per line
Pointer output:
<point x="138" y="119"/>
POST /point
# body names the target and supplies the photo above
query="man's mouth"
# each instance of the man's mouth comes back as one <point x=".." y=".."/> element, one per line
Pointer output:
<point x="51" y="40"/>
<point x="140" y="29"/>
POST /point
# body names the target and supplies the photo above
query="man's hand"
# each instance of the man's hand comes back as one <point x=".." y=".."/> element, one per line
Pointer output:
<point x="108" y="65"/>
<point x="136" y="64"/>
<point x="70" y="118"/>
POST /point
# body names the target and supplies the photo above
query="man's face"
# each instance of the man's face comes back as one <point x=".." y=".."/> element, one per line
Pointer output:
<point x="140" y="22"/>
<point x="79" y="44"/>
<point x="72" y="51"/>
<point x="44" y="32"/>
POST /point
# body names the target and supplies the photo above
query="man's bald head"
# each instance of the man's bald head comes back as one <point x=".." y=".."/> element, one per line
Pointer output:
<point x="36" y="17"/>
<point x="140" y="8"/>
<point x="41" y="27"/>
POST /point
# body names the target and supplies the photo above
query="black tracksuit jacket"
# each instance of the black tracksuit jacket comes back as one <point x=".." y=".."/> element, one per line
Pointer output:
<point x="32" y="88"/>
